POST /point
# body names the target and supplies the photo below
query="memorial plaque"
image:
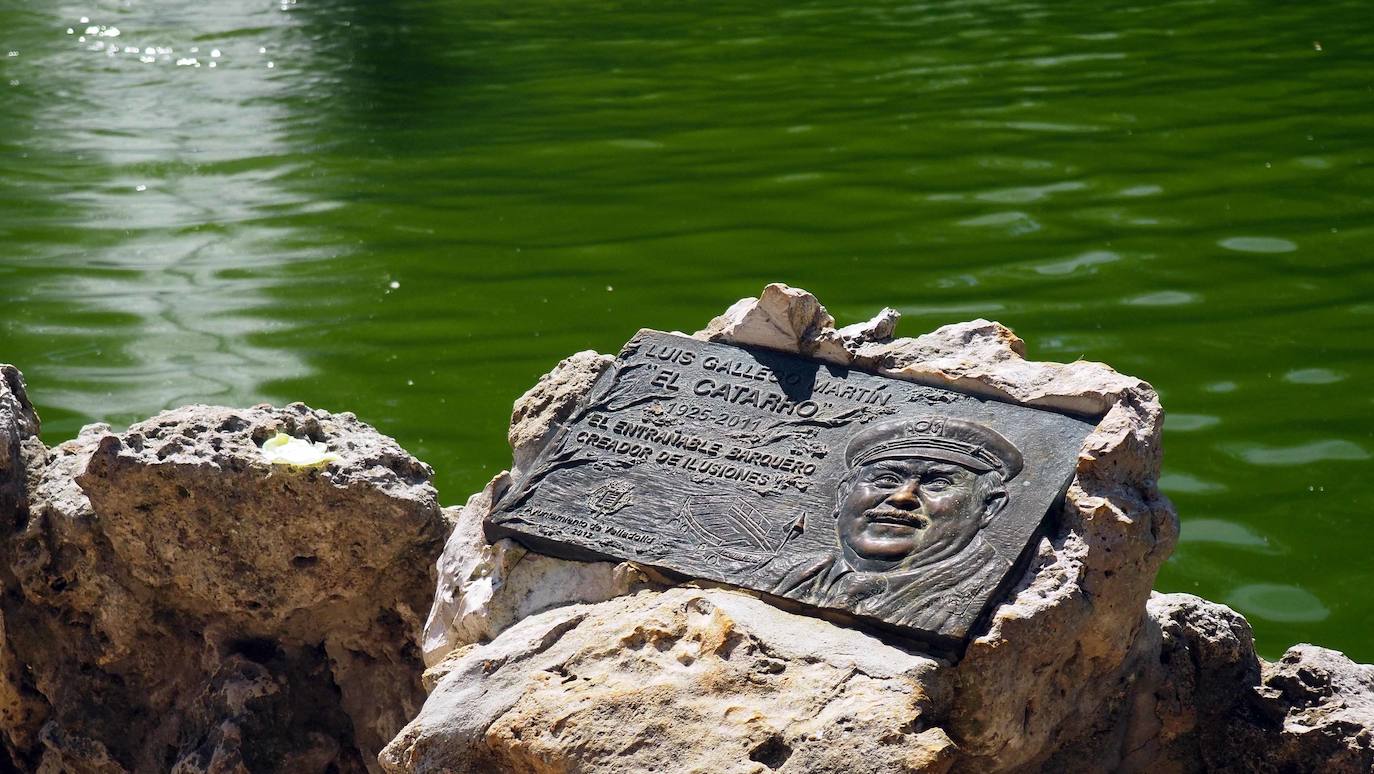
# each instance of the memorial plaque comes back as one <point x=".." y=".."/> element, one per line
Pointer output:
<point x="900" y="504"/>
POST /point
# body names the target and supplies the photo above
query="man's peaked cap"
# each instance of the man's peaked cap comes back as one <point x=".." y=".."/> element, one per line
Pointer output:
<point x="970" y="444"/>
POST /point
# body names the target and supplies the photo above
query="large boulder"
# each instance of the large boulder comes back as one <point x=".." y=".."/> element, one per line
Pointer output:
<point x="678" y="681"/>
<point x="180" y="602"/>
<point x="1068" y="626"/>
<point x="546" y="665"/>
<point x="191" y="509"/>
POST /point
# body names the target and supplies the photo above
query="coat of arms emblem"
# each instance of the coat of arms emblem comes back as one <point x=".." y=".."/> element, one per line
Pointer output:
<point x="610" y="497"/>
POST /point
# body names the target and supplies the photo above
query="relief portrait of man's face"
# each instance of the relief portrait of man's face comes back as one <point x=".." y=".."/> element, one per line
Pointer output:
<point x="899" y="509"/>
<point x="915" y="500"/>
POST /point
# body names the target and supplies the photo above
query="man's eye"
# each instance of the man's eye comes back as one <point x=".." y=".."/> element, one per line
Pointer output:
<point x="885" y="479"/>
<point x="938" y="482"/>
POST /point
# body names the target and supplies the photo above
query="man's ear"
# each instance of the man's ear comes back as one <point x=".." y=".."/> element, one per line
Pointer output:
<point x="993" y="504"/>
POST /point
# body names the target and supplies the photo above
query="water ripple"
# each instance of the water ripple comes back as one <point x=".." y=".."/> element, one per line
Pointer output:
<point x="1189" y="484"/>
<point x="1278" y="602"/>
<point x="1187" y="423"/>
<point x="1313" y="376"/>
<point x="1162" y="298"/>
<point x="1222" y="531"/>
<point x="1013" y="222"/>
<point x="1087" y="261"/>
<point x="1253" y="244"/>
<point x="1301" y="454"/>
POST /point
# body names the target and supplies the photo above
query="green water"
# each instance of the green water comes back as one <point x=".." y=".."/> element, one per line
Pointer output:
<point x="411" y="210"/>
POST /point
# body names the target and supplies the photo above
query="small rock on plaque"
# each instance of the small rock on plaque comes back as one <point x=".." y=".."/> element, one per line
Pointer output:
<point x="902" y="504"/>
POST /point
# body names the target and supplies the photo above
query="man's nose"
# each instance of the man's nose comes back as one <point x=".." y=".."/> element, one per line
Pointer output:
<point x="906" y="495"/>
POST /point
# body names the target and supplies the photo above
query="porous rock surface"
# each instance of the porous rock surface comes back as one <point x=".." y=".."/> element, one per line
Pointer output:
<point x="484" y="587"/>
<point x="1198" y="699"/>
<point x="1323" y="704"/>
<point x="684" y="680"/>
<point x="174" y="602"/>
<point x="537" y="413"/>
<point x="1080" y="668"/>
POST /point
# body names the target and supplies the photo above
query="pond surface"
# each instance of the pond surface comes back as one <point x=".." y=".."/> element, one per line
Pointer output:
<point x="411" y="210"/>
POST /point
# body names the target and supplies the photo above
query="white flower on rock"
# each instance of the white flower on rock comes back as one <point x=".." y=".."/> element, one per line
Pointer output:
<point x="282" y="449"/>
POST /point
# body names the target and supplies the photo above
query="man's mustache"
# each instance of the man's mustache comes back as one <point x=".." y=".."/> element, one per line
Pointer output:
<point x="888" y="513"/>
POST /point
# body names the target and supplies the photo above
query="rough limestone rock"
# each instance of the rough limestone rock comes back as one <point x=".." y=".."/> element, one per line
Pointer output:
<point x="18" y="428"/>
<point x="1199" y="675"/>
<point x="1200" y="700"/>
<point x="550" y="401"/>
<point x="1166" y="711"/>
<point x="178" y="603"/>
<point x="1324" y="705"/>
<point x="22" y="709"/>
<point x="792" y="320"/>
<point x="687" y="680"/>
<point x="1080" y="668"/>
<point x="485" y="588"/>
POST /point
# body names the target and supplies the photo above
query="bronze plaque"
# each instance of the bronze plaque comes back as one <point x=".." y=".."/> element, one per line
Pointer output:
<point x="904" y="505"/>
